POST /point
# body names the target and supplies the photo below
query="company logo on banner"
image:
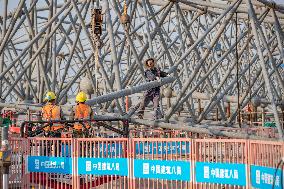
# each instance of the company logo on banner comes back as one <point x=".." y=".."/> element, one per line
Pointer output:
<point x="44" y="164"/>
<point x="103" y="166"/>
<point x="222" y="173"/>
<point x="163" y="148"/>
<point x="266" y="177"/>
<point x="162" y="169"/>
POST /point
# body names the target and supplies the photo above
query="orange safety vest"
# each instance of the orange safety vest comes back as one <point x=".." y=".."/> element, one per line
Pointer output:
<point x="52" y="112"/>
<point x="82" y="111"/>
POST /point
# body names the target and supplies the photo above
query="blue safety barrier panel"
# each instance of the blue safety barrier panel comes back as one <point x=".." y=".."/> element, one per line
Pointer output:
<point x="44" y="164"/>
<point x="219" y="173"/>
<point x="266" y="177"/>
<point x="162" y="148"/>
<point x="162" y="169"/>
<point x="66" y="150"/>
<point x="222" y="173"/>
<point x="103" y="166"/>
<point x="110" y="149"/>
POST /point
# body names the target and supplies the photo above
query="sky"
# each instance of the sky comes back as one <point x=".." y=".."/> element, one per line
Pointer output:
<point x="14" y="3"/>
<point x="280" y="1"/>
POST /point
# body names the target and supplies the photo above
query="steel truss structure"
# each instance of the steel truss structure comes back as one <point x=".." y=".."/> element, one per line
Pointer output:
<point x="219" y="52"/>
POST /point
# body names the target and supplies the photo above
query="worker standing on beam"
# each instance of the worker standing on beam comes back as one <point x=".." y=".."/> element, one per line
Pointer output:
<point x="50" y="112"/>
<point x="152" y="73"/>
<point x="82" y="111"/>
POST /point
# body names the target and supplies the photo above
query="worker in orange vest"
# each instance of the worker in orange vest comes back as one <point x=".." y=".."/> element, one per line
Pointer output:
<point x="82" y="111"/>
<point x="50" y="112"/>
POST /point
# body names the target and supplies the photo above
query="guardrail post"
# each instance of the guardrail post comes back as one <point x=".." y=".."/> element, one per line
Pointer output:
<point x="192" y="162"/>
<point x="248" y="162"/>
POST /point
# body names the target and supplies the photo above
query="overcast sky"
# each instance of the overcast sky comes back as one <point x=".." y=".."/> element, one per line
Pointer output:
<point x="279" y="1"/>
<point x="14" y="3"/>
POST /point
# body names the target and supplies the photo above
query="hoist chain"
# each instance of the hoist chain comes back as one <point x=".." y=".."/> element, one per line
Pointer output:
<point x="96" y="27"/>
<point x="96" y="31"/>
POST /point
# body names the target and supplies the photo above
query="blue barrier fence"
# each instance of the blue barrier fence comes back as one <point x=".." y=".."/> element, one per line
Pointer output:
<point x="103" y="166"/>
<point x="266" y="177"/>
<point x="162" y="148"/>
<point x="161" y="169"/>
<point x="116" y="149"/>
<point x="45" y="164"/>
<point x="221" y="173"/>
<point x="191" y="162"/>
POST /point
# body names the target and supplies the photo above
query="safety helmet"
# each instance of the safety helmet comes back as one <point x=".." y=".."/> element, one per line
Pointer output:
<point x="81" y="97"/>
<point x="49" y="96"/>
<point x="146" y="61"/>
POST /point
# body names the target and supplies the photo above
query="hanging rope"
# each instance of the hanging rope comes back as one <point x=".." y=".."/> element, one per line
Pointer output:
<point x="96" y="59"/>
<point x="125" y="8"/>
<point x="237" y="59"/>
<point x="125" y="20"/>
<point x="249" y="82"/>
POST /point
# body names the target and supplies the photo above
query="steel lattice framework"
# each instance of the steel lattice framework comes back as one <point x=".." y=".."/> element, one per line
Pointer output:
<point x="218" y="51"/>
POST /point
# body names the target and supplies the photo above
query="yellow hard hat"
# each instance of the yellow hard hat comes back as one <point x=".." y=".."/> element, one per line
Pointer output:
<point x="81" y="97"/>
<point x="50" y="96"/>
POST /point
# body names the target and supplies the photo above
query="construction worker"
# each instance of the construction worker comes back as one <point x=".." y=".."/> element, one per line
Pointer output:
<point x="52" y="112"/>
<point x="82" y="111"/>
<point x="152" y="73"/>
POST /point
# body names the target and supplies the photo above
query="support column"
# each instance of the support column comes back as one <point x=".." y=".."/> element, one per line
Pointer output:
<point x="2" y="61"/>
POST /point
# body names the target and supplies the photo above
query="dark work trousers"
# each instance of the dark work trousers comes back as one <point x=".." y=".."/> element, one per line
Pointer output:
<point x="146" y="100"/>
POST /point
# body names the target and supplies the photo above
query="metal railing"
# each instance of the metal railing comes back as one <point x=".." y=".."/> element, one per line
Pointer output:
<point x="26" y="125"/>
<point x="154" y="163"/>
